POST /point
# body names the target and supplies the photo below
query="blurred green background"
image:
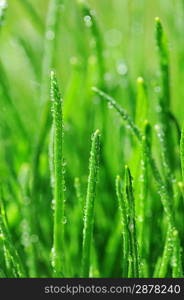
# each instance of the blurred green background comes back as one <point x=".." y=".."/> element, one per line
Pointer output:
<point x="127" y="37"/>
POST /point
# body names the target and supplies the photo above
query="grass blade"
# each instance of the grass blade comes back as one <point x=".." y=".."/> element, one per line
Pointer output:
<point x="182" y="153"/>
<point x="164" y="97"/>
<point x="161" y="186"/>
<point x="142" y="103"/>
<point x="143" y="197"/>
<point x="11" y="255"/>
<point x="90" y="20"/>
<point x="32" y="13"/>
<point x="49" y="46"/>
<point x="124" y="225"/>
<point x="128" y="195"/>
<point x="123" y="113"/>
<point x="89" y="206"/>
<point x="59" y="184"/>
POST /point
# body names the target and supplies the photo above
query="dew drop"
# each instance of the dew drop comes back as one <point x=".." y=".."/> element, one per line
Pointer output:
<point x="87" y="21"/>
<point x="50" y="35"/>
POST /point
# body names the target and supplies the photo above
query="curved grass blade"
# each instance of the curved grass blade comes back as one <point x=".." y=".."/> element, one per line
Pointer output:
<point x="58" y="255"/>
<point x="89" y="206"/>
<point x="121" y="111"/>
<point x="90" y="20"/>
<point x="165" y="197"/>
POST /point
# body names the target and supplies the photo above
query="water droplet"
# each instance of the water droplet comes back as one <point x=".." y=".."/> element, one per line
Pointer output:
<point x="113" y="37"/>
<point x="122" y="68"/>
<point x="53" y="203"/>
<point x="110" y="106"/>
<point x="64" y="221"/>
<point x="50" y="35"/>
<point x="157" y="89"/>
<point x="88" y="21"/>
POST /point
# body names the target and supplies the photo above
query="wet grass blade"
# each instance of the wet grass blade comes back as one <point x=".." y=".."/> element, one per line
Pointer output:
<point x="143" y="197"/>
<point x="134" y="265"/>
<point x="123" y="113"/>
<point x="59" y="184"/>
<point x="161" y="186"/>
<point x="89" y="205"/>
<point x="124" y="225"/>
<point x="164" y="96"/>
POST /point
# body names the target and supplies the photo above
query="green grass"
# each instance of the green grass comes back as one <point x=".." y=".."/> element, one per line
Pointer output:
<point x="64" y="211"/>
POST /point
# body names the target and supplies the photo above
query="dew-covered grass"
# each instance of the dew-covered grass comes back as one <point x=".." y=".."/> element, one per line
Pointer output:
<point x="92" y="138"/>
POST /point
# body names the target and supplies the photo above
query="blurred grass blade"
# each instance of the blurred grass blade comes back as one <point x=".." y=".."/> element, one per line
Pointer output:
<point x="3" y="8"/>
<point x="182" y="153"/>
<point x="142" y="103"/>
<point x="32" y="13"/>
<point x="49" y="46"/>
<point x="91" y="22"/>
<point x="29" y="54"/>
<point x="6" y="91"/>
<point x="11" y="254"/>
<point x="164" y="62"/>
<point x="89" y="206"/>
<point x="164" y="262"/>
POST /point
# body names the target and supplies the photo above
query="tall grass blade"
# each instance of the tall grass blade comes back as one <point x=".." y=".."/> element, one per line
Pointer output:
<point x="59" y="183"/>
<point x="142" y="103"/>
<point x="143" y="204"/>
<point x="134" y="265"/>
<point x="124" y="224"/>
<point x="89" y="205"/>
<point x="164" y="96"/>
